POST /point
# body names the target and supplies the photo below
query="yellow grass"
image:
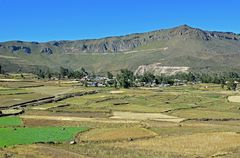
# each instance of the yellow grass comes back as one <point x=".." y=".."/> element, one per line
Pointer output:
<point x="113" y="134"/>
<point x="235" y="99"/>
<point x="38" y="151"/>
<point x="197" y="145"/>
<point x="116" y="92"/>
<point x="10" y="80"/>
<point x="11" y="111"/>
<point x="145" y="116"/>
<point x="52" y="90"/>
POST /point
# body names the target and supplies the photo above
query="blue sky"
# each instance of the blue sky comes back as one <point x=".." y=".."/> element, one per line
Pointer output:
<point x="45" y="20"/>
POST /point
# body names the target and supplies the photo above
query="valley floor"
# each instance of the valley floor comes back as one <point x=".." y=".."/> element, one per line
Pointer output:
<point x="201" y="120"/>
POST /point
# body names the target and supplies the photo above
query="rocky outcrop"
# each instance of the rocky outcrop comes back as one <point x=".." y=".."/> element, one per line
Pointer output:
<point x="15" y="49"/>
<point x="194" y="33"/>
<point x="27" y="50"/>
<point x="159" y="69"/>
<point x="2" y="46"/>
<point x="47" y="51"/>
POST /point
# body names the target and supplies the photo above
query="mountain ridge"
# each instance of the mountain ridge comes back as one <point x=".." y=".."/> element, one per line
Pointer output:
<point x="181" y="46"/>
<point x="128" y="42"/>
<point x="136" y="33"/>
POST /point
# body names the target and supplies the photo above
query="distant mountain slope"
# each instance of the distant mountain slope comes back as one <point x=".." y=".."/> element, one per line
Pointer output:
<point x="181" y="46"/>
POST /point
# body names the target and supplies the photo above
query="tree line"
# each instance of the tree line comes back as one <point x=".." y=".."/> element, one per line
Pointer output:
<point x="63" y="73"/>
<point x="126" y="78"/>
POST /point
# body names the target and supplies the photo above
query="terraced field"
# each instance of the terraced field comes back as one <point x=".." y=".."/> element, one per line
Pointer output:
<point x="116" y="134"/>
<point x="196" y="145"/>
<point x="28" y="135"/>
<point x="10" y="121"/>
<point x="201" y="120"/>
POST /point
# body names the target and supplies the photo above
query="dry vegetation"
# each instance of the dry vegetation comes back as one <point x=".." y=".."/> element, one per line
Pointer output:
<point x="185" y="121"/>
<point x="116" y="134"/>
<point x="235" y="99"/>
<point x="203" y="145"/>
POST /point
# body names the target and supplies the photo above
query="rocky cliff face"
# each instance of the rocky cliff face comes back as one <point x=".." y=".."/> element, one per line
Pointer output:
<point x="127" y="43"/>
<point x="159" y="69"/>
<point x="15" y="49"/>
<point x="118" y="44"/>
<point x="187" y="32"/>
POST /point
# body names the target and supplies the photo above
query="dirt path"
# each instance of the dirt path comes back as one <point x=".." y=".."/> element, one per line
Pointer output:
<point x="78" y="119"/>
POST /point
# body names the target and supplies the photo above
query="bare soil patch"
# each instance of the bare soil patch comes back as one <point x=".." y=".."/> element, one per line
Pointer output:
<point x="145" y="116"/>
<point x="77" y="119"/>
<point x="117" y="92"/>
<point x="10" y="80"/>
<point x="235" y="99"/>
<point x="11" y="112"/>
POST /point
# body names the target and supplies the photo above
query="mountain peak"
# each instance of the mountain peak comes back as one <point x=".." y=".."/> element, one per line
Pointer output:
<point x="184" y="26"/>
<point x="187" y="32"/>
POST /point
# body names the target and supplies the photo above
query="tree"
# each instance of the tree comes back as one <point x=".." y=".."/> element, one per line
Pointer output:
<point x="171" y="82"/>
<point x="41" y="74"/>
<point x="222" y="85"/>
<point x="64" y="71"/>
<point x="0" y="69"/>
<point x="233" y="75"/>
<point x="223" y="82"/>
<point x="93" y="75"/>
<point x="109" y="75"/>
<point x="84" y="71"/>
<point x="115" y="84"/>
<point x="147" y="78"/>
<point x="22" y="76"/>
<point x="126" y="78"/>
<point x="49" y="75"/>
<point x="157" y="81"/>
<point x="110" y="82"/>
<point x="231" y="85"/>
<point x="59" y="79"/>
<point x="191" y="77"/>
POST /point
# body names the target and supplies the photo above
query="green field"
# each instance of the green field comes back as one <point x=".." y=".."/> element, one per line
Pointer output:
<point x="10" y="121"/>
<point x="190" y="102"/>
<point x="14" y="136"/>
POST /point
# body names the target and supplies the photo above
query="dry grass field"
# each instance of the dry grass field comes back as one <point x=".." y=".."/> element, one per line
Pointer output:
<point x="196" y="145"/>
<point x="115" y="134"/>
<point x="179" y="121"/>
<point x="145" y="116"/>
